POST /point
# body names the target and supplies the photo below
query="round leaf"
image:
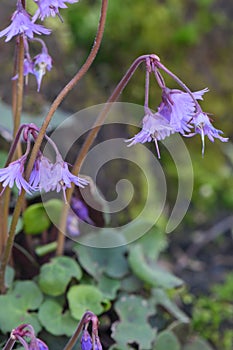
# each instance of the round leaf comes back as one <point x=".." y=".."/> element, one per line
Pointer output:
<point x="83" y="298"/>
<point x="54" y="320"/>
<point x="167" y="340"/>
<point x="17" y="306"/>
<point x="55" y="275"/>
<point x="35" y="219"/>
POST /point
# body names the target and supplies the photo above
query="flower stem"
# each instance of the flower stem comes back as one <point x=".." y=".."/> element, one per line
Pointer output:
<point x="17" y="101"/>
<point x="69" y="86"/>
<point x="88" y="142"/>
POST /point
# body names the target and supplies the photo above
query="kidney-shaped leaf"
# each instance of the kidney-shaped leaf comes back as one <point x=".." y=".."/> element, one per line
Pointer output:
<point x="55" y="275"/>
<point x="54" y="320"/>
<point x="133" y="326"/>
<point x="83" y="298"/>
<point x="17" y="304"/>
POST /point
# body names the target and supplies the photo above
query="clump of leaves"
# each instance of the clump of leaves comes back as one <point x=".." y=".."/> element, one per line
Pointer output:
<point x="212" y="315"/>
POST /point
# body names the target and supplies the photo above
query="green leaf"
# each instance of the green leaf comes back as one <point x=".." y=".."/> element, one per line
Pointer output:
<point x="153" y="243"/>
<point x="96" y="261"/>
<point x="18" y="304"/>
<point x="109" y="287"/>
<point x="197" y="344"/>
<point x="166" y="340"/>
<point x="54" y="320"/>
<point x="35" y="219"/>
<point x="83" y="298"/>
<point x="54" y="209"/>
<point x="133" y="327"/>
<point x="55" y="275"/>
<point x="161" y="298"/>
<point x="149" y="271"/>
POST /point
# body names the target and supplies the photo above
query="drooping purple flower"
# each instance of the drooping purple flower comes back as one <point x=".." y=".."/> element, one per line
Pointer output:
<point x="27" y="68"/>
<point x="41" y="175"/>
<point x="81" y="210"/>
<point x="178" y="108"/>
<point x="204" y="127"/>
<point x="86" y="341"/>
<point x="21" y="24"/>
<point x="42" y="62"/>
<point x="154" y="128"/>
<point x="37" y="344"/>
<point x="47" y="8"/>
<point x="13" y="174"/>
<point x="62" y="177"/>
<point x="72" y="224"/>
<point x="46" y="176"/>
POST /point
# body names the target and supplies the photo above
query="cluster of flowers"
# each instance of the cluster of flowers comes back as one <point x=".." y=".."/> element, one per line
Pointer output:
<point x="45" y="176"/>
<point x="22" y="23"/>
<point x="25" y="335"/>
<point x="179" y="111"/>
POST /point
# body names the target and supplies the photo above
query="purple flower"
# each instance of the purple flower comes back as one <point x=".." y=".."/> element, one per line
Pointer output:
<point x="27" y="68"/>
<point x="62" y="177"/>
<point x="154" y="127"/>
<point x="178" y="108"/>
<point x="37" y="344"/>
<point x="81" y="210"/>
<point x="50" y="177"/>
<point x="204" y="127"/>
<point x="41" y="175"/>
<point x="13" y="174"/>
<point x="72" y="224"/>
<point x="50" y="7"/>
<point x="41" y="62"/>
<point x="21" y="24"/>
<point x="86" y="341"/>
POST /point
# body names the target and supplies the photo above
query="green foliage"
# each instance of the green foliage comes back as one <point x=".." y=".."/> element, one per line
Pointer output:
<point x="36" y="219"/>
<point x="20" y="305"/>
<point x="55" y="275"/>
<point x="54" y="319"/>
<point x="133" y="327"/>
<point x="212" y="315"/>
<point x="167" y="340"/>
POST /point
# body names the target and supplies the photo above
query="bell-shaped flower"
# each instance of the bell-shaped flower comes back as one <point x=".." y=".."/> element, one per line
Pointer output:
<point x="154" y="128"/>
<point x="21" y="24"/>
<point x="179" y="107"/>
<point x="13" y="174"/>
<point x="42" y="62"/>
<point x="47" y="8"/>
<point x="204" y="127"/>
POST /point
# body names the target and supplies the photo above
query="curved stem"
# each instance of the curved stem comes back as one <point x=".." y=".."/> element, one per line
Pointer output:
<point x="88" y="142"/>
<point x="69" y="86"/>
